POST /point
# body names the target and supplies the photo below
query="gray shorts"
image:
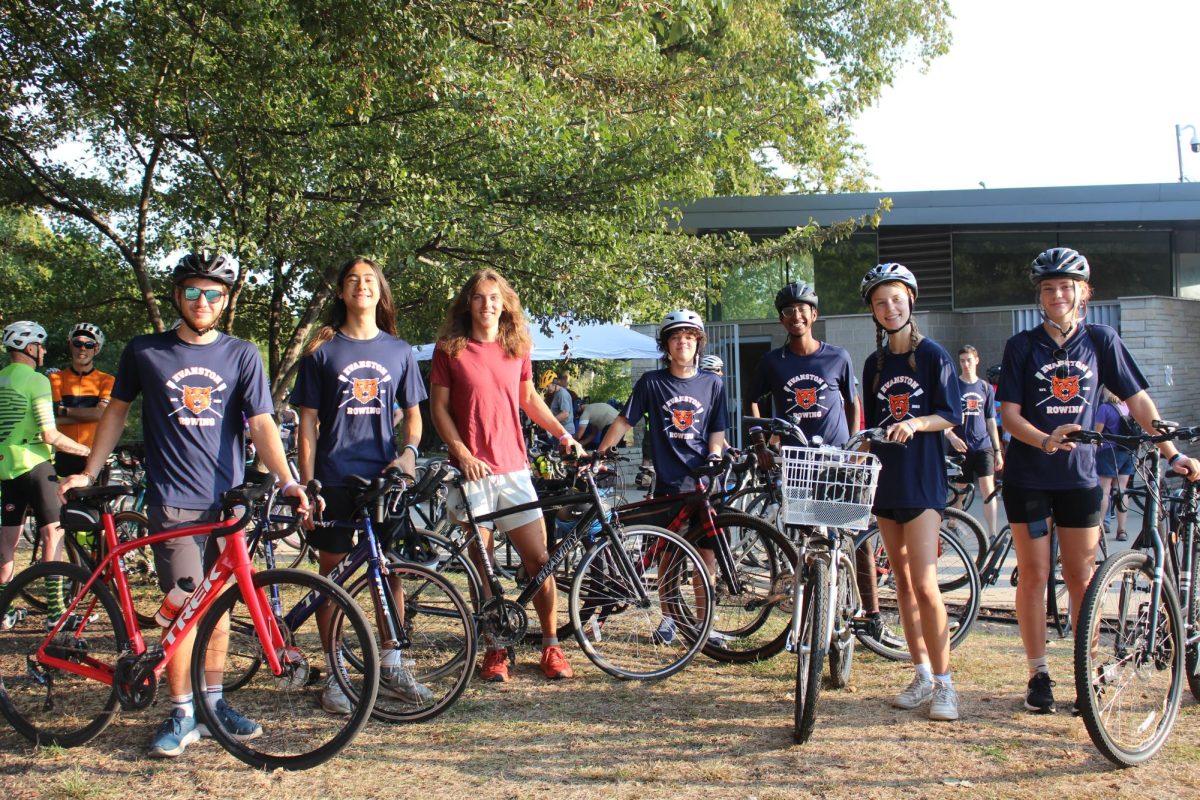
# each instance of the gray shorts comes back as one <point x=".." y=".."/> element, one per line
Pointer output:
<point x="186" y="556"/>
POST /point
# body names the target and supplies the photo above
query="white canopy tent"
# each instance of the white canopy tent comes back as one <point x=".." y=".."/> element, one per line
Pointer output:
<point x="582" y="340"/>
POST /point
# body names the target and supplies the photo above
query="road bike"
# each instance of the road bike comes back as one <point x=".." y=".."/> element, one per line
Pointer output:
<point x="1138" y="638"/>
<point x="62" y="682"/>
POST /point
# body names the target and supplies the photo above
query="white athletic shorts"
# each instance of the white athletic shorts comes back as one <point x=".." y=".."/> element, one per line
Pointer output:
<point x="493" y="493"/>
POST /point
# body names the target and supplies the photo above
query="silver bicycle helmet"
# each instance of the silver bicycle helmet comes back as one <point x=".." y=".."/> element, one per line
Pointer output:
<point x="712" y="363"/>
<point x="886" y="273"/>
<point x="20" y="335"/>
<point x="795" y="292"/>
<point x="87" y="329"/>
<point x="202" y="265"/>
<point x="1059" y="262"/>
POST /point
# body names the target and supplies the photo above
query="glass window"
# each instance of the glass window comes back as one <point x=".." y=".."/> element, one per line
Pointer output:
<point x="839" y="268"/>
<point x="749" y="292"/>
<point x="1125" y="263"/>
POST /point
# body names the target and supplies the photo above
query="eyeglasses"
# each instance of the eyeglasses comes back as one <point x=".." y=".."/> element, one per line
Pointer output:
<point x="792" y="311"/>
<point x="1060" y="356"/>
<point x="192" y="294"/>
<point x="84" y="344"/>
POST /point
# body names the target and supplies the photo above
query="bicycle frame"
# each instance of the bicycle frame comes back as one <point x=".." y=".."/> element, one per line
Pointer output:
<point x="233" y="561"/>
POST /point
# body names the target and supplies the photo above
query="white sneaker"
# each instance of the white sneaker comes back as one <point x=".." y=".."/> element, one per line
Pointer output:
<point x="398" y="683"/>
<point x="944" y="705"/>
<point x="333" y="699"/>
<point x="916" y="694"/>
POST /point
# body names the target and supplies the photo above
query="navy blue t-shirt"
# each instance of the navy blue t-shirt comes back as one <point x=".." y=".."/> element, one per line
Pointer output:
<point x="978" y="406"/>
<point x="194" y="399"/>
<point x="1055" y="391"/>
<point x="683" y="413"/>
<point x="353" y="385"/>
<point x="912" y="476"/>
<point x="811" y="391"/>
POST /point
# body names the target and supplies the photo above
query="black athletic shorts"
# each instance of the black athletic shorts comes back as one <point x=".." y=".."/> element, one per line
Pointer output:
<point x="1069" y="508"/>
<point x="978" y="464"/>
<point x="902" y="516"/>
<point x="36" y="489"/>
<point x="338" y="507"/>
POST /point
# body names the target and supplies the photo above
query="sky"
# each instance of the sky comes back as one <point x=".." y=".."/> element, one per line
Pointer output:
<point x="1044" y="93"/>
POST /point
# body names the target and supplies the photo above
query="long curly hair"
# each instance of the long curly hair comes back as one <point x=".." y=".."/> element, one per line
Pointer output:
<point x="456" y="328"/>
<point x="385" y="312"/>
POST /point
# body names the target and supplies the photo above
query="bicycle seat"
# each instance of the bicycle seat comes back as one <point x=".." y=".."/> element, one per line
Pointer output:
<point x="101" y="494"/>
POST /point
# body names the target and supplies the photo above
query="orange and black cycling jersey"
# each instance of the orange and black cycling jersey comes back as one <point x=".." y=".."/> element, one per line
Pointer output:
<point x="73" y="390"/>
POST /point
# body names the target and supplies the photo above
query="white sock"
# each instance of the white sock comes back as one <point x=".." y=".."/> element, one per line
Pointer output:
<point x="184" y="703"/>
<point x="924" y="671"/>
<point x="944" y="680"/>
<point x="1037" y="665"/>
<point x="391" y="658"/>
<point x="212" y="694"/>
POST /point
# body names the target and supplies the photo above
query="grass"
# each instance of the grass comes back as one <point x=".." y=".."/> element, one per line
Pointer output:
<point x="713" y="731"/>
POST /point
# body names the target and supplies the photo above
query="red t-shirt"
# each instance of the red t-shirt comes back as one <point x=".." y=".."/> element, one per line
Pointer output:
<point x="484" y="384"/>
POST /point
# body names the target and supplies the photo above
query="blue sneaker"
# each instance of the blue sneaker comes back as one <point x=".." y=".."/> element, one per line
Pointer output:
<point x="174" y="735"/>
<point x="665" y="633"/>
<point x="239" y="727"/>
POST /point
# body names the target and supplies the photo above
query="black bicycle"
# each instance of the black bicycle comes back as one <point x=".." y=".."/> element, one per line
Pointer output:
<point x="1139" y="627"/>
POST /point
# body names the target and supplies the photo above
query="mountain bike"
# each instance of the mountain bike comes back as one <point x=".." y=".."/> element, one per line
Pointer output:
<point x="1138" y="637"/>
<point x="61" y="683"/>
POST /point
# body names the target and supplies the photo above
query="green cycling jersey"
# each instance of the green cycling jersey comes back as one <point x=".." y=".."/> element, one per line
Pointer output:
<point x="26" y="409"/>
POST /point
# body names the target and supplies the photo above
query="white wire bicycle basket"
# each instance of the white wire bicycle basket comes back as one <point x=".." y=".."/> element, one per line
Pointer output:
<point x="830" y="487"/>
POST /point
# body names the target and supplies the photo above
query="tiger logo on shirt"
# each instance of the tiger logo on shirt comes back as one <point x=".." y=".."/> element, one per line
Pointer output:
<point x="363" y="388"/>
<point x="200" y="393"/>
<point x="809" y="393"/>
<point x="684" y="415"/>
<point x="197" y="398"/>
<point x="905" y="398"/>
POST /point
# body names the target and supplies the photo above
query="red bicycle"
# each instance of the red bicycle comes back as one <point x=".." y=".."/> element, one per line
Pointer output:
<point x="62" y="681"/>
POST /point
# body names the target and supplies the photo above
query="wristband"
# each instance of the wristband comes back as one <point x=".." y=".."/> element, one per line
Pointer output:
<point x="563" y="439"/>
<point x="1045" y="442"/>
<point x="413" y="447"/>
<point x="912" y="429"/>
<point x="287" y="486"/>
<point x="1171" y="461"/>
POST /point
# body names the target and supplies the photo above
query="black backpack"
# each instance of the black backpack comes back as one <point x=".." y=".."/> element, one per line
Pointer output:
<point x="1129" y="426"/>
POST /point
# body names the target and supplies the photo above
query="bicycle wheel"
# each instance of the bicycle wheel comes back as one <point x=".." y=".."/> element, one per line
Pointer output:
<point x="47" y="704"/>
<point x="842" y="639"/>
<point x="35" y="599"/>
<point x="138" y="566"/>
<point x="1127" y="694"/>
<point x="630" y="638"/>
<point x="811" y="647"/>
<point x="765" y="505"/>
<point x="455" y="566"/>
<point x="957" y="578"/>
<point x="752" y="625"/>
<point x="969" y="532"/>
<point x="1192" y="659"/>
<point x="440" y="630"/>
<point x="295" y="734"/>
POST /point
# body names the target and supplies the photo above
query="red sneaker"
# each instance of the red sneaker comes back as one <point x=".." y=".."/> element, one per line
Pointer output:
<point x="554" y="663"/>
<point x="495" y="666"/>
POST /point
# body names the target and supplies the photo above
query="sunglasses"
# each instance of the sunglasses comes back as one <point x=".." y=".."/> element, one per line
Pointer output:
<point x="192" y="294"/>
<point x="84" y="344"/>
<point x="1060" y="355"/>
<point x="791" y="311"/>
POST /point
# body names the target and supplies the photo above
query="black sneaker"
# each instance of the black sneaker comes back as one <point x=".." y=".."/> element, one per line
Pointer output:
<point x="1039" y="697"/>
<point x="1075" y="712"/>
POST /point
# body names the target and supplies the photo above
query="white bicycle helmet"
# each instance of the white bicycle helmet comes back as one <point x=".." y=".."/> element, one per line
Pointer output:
<point x="712" y="363"/>
<point x="886" y="273"/>
<point x="683" y="318"/>
<point x="1059" y="262"/>
<point x="20" y="335"/>
<point x="87" y="329"/>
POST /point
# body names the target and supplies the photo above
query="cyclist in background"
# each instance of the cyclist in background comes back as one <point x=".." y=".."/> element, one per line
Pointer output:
<point x="80" y="394"/>
<point x="196" y="383"/>
<point x="558" y="399"/>
<point x="977" y="438"/>
<point x="1113" y="464"/>
<point x="352" y="373"/>
<point x="910" y="389"/>
<point x="594" y="421"/>
<point x="812" y="384"/>
<point x="1052" y="376"/>
<point x="27" y="478"/>
<point x="481" y="380"/>
<point x="713" y="364"/>
<point x="686" y="419"/>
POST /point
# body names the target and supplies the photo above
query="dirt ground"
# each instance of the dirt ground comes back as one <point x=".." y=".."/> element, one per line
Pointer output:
<point x="713" y="731"/>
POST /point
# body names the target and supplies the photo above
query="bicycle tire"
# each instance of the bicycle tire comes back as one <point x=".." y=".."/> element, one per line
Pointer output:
<point x="969" y="532"/>
<point x="441" y="633"/>
<point x="79" y="708"/>
<point x="1113" y="618"/>
<point x="457" y="566"/>
<point x="294" y="736"/>
<point x="744" y="627"/>
<point x="842" y="638"/>
<point x="955" y="568"/>
<point x="810" y="649"/>
<point x="766" y="506"/>
<point x="33" y="598"/>
<point x="1192" y="659"/>
<point x="622" y="636"/>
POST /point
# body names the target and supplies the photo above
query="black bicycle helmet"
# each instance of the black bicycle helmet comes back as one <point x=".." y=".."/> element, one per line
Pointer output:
<point x="993" y="374"/>
<point x="201" y="265"/>
<point x="886" y="273"/>
<point x="795" y="292"/>
<point x="1059" y="262"/>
